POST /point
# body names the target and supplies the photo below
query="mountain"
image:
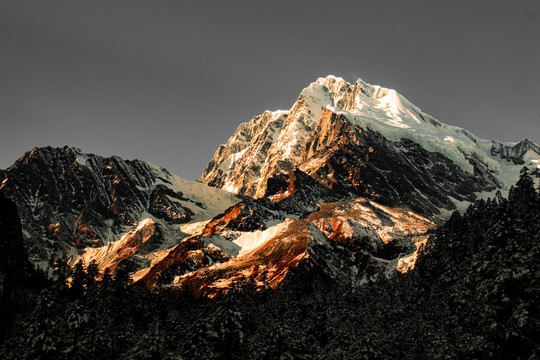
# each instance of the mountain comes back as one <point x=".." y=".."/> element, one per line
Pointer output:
<point x="338" y="243"/>
<point x="70" y="201"/>
<point x="350" y="180"/>
<point x="167" y="231"/>
<point x="366" y="140"/>
<point x="324" y="166"/>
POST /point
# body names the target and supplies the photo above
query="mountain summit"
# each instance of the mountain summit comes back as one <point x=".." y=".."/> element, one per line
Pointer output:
<point x="367" y="140"/>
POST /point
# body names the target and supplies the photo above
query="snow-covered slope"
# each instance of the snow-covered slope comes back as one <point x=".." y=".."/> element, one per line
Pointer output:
<point x="70" y="201"/>
<point x="373" y="119"/>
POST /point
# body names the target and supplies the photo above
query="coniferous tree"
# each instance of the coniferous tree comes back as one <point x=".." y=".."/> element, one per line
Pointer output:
<point x="523" y="194"/>
<point x="122" y="280"/>
<point x="92" y="275"/>
<point x="106" y="283"/>
<point x="78" y="279"/>
<point x="62" y="272"/>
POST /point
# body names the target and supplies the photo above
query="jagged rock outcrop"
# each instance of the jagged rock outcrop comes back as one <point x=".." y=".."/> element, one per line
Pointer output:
<point x="131" y="250"/>
<point x="292" y="195"/>
<point x="514" y="153"/>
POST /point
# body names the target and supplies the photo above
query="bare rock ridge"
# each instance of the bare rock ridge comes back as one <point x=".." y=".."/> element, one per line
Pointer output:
<point x="368" y="141"/>
<point x="70" y="201"/>
<point x="515" y="153"/>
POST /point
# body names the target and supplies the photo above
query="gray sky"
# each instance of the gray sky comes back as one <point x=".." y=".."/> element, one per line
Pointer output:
<point x="168" y="81"/>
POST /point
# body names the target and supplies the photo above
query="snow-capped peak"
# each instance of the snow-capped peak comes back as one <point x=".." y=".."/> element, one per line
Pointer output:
<point x="277" y="142"/>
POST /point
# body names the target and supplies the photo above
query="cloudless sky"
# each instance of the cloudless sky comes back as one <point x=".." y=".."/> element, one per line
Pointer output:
<point x="168" y="81"/>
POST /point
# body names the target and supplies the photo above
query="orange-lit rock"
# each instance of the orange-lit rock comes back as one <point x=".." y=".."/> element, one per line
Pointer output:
<point x="360" y="226"/>
<point x="129" y="246"/>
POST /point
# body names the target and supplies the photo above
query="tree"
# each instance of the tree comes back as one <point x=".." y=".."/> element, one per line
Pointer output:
<point x="106" y="282"/>
<point x="122" y="280"/>
<point x="78" y="279"/>
<point x="523" y="193"/>
<point x="92" y="274"/>
<point x="499" y="198"/>
<point x="62" y="271"/>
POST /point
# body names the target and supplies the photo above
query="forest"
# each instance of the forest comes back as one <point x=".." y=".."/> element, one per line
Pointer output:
<point x="474" y="293"/>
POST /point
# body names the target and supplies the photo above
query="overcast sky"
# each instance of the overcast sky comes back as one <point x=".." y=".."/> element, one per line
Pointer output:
<point x="168" y="81"/>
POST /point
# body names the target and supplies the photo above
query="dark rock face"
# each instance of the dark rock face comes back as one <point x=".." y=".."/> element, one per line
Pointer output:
<point x="294" y="195"/>
<point x="514" y="153"/>
<point x="70" y="201"/>
<point x="248" y="215"/>
<point x="348" y="159"/>
<point x="18" y="279"/>
<point x="13" y="255"/>
<point x="296" y="192"/>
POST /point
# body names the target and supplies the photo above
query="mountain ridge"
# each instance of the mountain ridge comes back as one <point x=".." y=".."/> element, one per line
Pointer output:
<point x="69" y="200"/>
<point x="356" y="148"/>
